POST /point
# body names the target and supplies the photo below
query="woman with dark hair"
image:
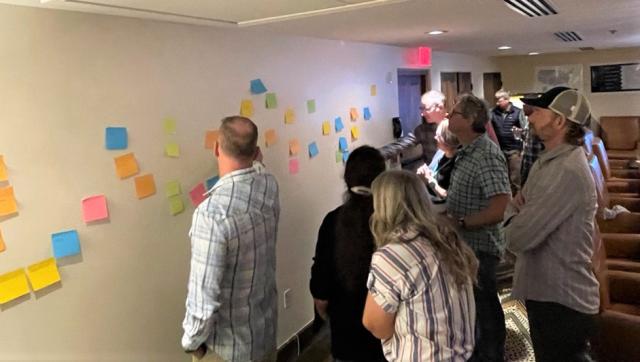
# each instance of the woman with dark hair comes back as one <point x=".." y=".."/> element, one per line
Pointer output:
<point x="341" y="263"/>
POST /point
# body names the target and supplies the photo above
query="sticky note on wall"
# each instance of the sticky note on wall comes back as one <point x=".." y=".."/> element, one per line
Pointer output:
<point x="366" y="113"/>
<point x="145" y="186"/>
<point x="173" y="188"/>
<point x="13" y="285"/>
<point x="65" y="243"/>
<point x="271" y="101"/>
<point x="257" y="87"/>
<point x="116" y="138"/>
<point x="342" y="143"/>
<point x="126" y="165"/>
<point x="169" y="125"/>
<point x="338" y="124"/>
<point x="294" y="147"/>
<point x="311" y="106"/>
<point x="355" y="133"/>
<point x="210" y="139"/>
<point x="326" y="128"/>
<point x="4" y="174"/>
<point x="353" y="113"/>
<point x="8" y="204"/>
<point x="270" y="137"/>
<point x="43" y="274"/>
<point x="374" y="90"/>
<point x="3" y="247"/>
<point x="246" y="108"/>
<point x="197" y="194"/>
<point x="176" y="205"/>
<point x="294" y="166"/>
<point x="172" y="149"/>
<point x="289" y="116"/>
<point x="212" y="182"/>
<point x="313" y="150"/>
<point x="94" y="208"/>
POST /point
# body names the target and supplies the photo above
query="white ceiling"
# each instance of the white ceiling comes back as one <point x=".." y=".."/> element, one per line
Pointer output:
<point x="474" y="26"/>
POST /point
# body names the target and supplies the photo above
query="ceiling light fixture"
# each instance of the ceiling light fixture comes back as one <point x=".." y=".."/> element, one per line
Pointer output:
<point x="504" y="47"/>
<point x="534" y="53"/>
<point x="437" y="32"/>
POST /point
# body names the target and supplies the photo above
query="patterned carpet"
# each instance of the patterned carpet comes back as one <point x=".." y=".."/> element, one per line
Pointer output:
<point x="518" y="345"/>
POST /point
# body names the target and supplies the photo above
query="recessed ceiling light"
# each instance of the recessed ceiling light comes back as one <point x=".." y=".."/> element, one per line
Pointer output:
<point x="437" y="32"/>
<point x="534" y="53"/>
<point x="504" y="47"/>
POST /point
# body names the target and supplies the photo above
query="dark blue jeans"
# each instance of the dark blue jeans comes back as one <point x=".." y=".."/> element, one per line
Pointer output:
<point x="490" y="328"/>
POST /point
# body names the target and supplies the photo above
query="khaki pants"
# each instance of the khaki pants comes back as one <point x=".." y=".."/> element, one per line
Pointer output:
<point x="213" y="357"/>
<point x="514" y="161"/>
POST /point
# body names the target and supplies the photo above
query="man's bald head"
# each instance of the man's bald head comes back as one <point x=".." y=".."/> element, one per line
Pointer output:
<point x="239" y="138"/>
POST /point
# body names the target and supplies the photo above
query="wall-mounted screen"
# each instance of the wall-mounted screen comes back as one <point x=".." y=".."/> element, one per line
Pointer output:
<point x="615" y="77"/>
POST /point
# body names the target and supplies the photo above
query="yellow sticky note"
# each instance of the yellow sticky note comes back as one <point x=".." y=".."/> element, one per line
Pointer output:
<point x="210" y="139"/>
<point x="355" y="133"/>
<point x="2" y="246"/>
<point x="126" y="165"/>
<point x="326" y="127"/>
<point x="169" y="125"/>
<point x="246" y="108"/>
<point x="374" y="90"/>
<point x="43" y="274"/>
<point x="294" y="147"/>
<point x="354" y="114"/>
<point x="4" y="175"/>
<point x="145" y="186"/>
<point x="172" y="149"/>
<point x="176" y="205"/>
<point x="270" y="137"/>
<point x="289" y="116"/>
<point x="8" y="204"/>
<point x="13" y="285"/>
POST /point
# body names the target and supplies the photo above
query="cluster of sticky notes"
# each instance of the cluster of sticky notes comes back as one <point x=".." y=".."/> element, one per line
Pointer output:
<point x="126" y="165"/>
<point x="366" y="114"/>
<point x="210" y="139"/>
<point x="40" y="275"/>
<point x="13" y="285"/>
<point x="116" y="138"/>
<point x="338" y="124"/>
<point x="8" y="203"/>
<point x="173" y="190"/>
<point x="246" y="108"/>
<point x="145" y="186"/>
<point x="65" y="243"/>
<point x="94" y="208"/>
<point x="4" y="174"/>
<point x="270" y="137"/>
<point x="289" y="116"/>
<point x="198" y="194"/>
<point x="313" y="150"/>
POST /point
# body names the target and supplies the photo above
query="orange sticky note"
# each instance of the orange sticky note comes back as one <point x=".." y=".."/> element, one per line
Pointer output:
<point x="374" y="90"/>
<point x="289" y="116"/>
<point x="145" y="186"/>
<point x="355" y="133"/>
<point x="126" y="165"/>
<point x="270" y="137"/>
<point x="294" y="147"/>
<point x="8" y="204"/>
<point x="2" y="246"/>
<point x="210" y="139"/>
<point x="94" y="208"/>
<point x="43" y="274"/>
<point x="326" y="127"/>
<point x="4" y="175"/>
<point x="13" y="285"/>
<point x="354" y="114"/>
<point x="246" y="108"/>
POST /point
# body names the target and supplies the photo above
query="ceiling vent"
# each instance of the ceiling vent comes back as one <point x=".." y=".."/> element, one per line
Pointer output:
<point x="531" y="8"/>
<point x="584" y="49"/>
<point x="568" y="36"/>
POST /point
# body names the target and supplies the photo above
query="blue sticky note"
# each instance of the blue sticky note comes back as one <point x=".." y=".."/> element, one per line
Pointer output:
<point x="313" y="149"/>
<point x="257" y="87"/>
<point x="367" y="113"/>
<point x="212" y="181"/>
<point x="345" y="156"/>
<point x="339" y="125"/>
<point x="116" y="138"/>
<point x="65" y="243"/>
<point x="343" y="144"/>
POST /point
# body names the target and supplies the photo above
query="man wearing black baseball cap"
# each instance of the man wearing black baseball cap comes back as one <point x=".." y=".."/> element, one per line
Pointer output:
<point x="551" y="232"/>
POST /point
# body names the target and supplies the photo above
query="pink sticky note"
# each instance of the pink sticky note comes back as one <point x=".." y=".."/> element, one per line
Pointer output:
<point x="94" y="208"/>
<point x="197" y="194"/>
<point x="294" y="165"/>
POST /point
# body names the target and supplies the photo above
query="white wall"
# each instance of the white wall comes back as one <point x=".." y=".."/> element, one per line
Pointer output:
<point x="518" y="76"/>
<point x="65" y="76"/>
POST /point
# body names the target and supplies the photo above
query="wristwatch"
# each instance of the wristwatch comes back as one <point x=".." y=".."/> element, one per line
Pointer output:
<point x="461" y="223"/>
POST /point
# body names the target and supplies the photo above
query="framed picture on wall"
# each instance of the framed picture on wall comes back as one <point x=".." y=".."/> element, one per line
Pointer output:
<point x="615" y="77"/>
<point x="547" y="77"/>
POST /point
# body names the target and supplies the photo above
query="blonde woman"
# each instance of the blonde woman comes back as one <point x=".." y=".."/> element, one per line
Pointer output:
<point x="420" y="301"/>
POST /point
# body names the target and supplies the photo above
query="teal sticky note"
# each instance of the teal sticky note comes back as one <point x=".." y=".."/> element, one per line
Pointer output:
<point x="339" y="125"/>
<point x="212" y="181"/>
<point x="313" y="150"/>
<point x="343" y="144"/>
<point x="116" y="138"/>
<point x="345" y="156"/>
<point x="257" y="87"/>
<point x="311" y="106"/>
<point x="271" y="101"/>
<point x="65" y="243"/>
<point x="366" y="113"/>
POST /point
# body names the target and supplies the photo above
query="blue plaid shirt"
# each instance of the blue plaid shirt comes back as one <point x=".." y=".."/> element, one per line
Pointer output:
<point x="480" y="172"/>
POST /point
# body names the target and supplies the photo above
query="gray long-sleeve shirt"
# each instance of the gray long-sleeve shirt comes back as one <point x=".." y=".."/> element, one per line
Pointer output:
<point x="552" y="235"/>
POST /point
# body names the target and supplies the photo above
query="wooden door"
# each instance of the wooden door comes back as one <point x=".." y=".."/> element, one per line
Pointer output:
<point x="492" y="82"/>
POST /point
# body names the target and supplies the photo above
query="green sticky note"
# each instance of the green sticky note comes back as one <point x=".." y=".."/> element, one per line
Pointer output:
<point x="311" y="105"/>
<point x="169" y="125"/>
<point x="338" y="156"/>
<point x="172" y="150"/>
<point x="271" y="102"/>
<point x="176" y="205"/>
<point x="173" y="188"/>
